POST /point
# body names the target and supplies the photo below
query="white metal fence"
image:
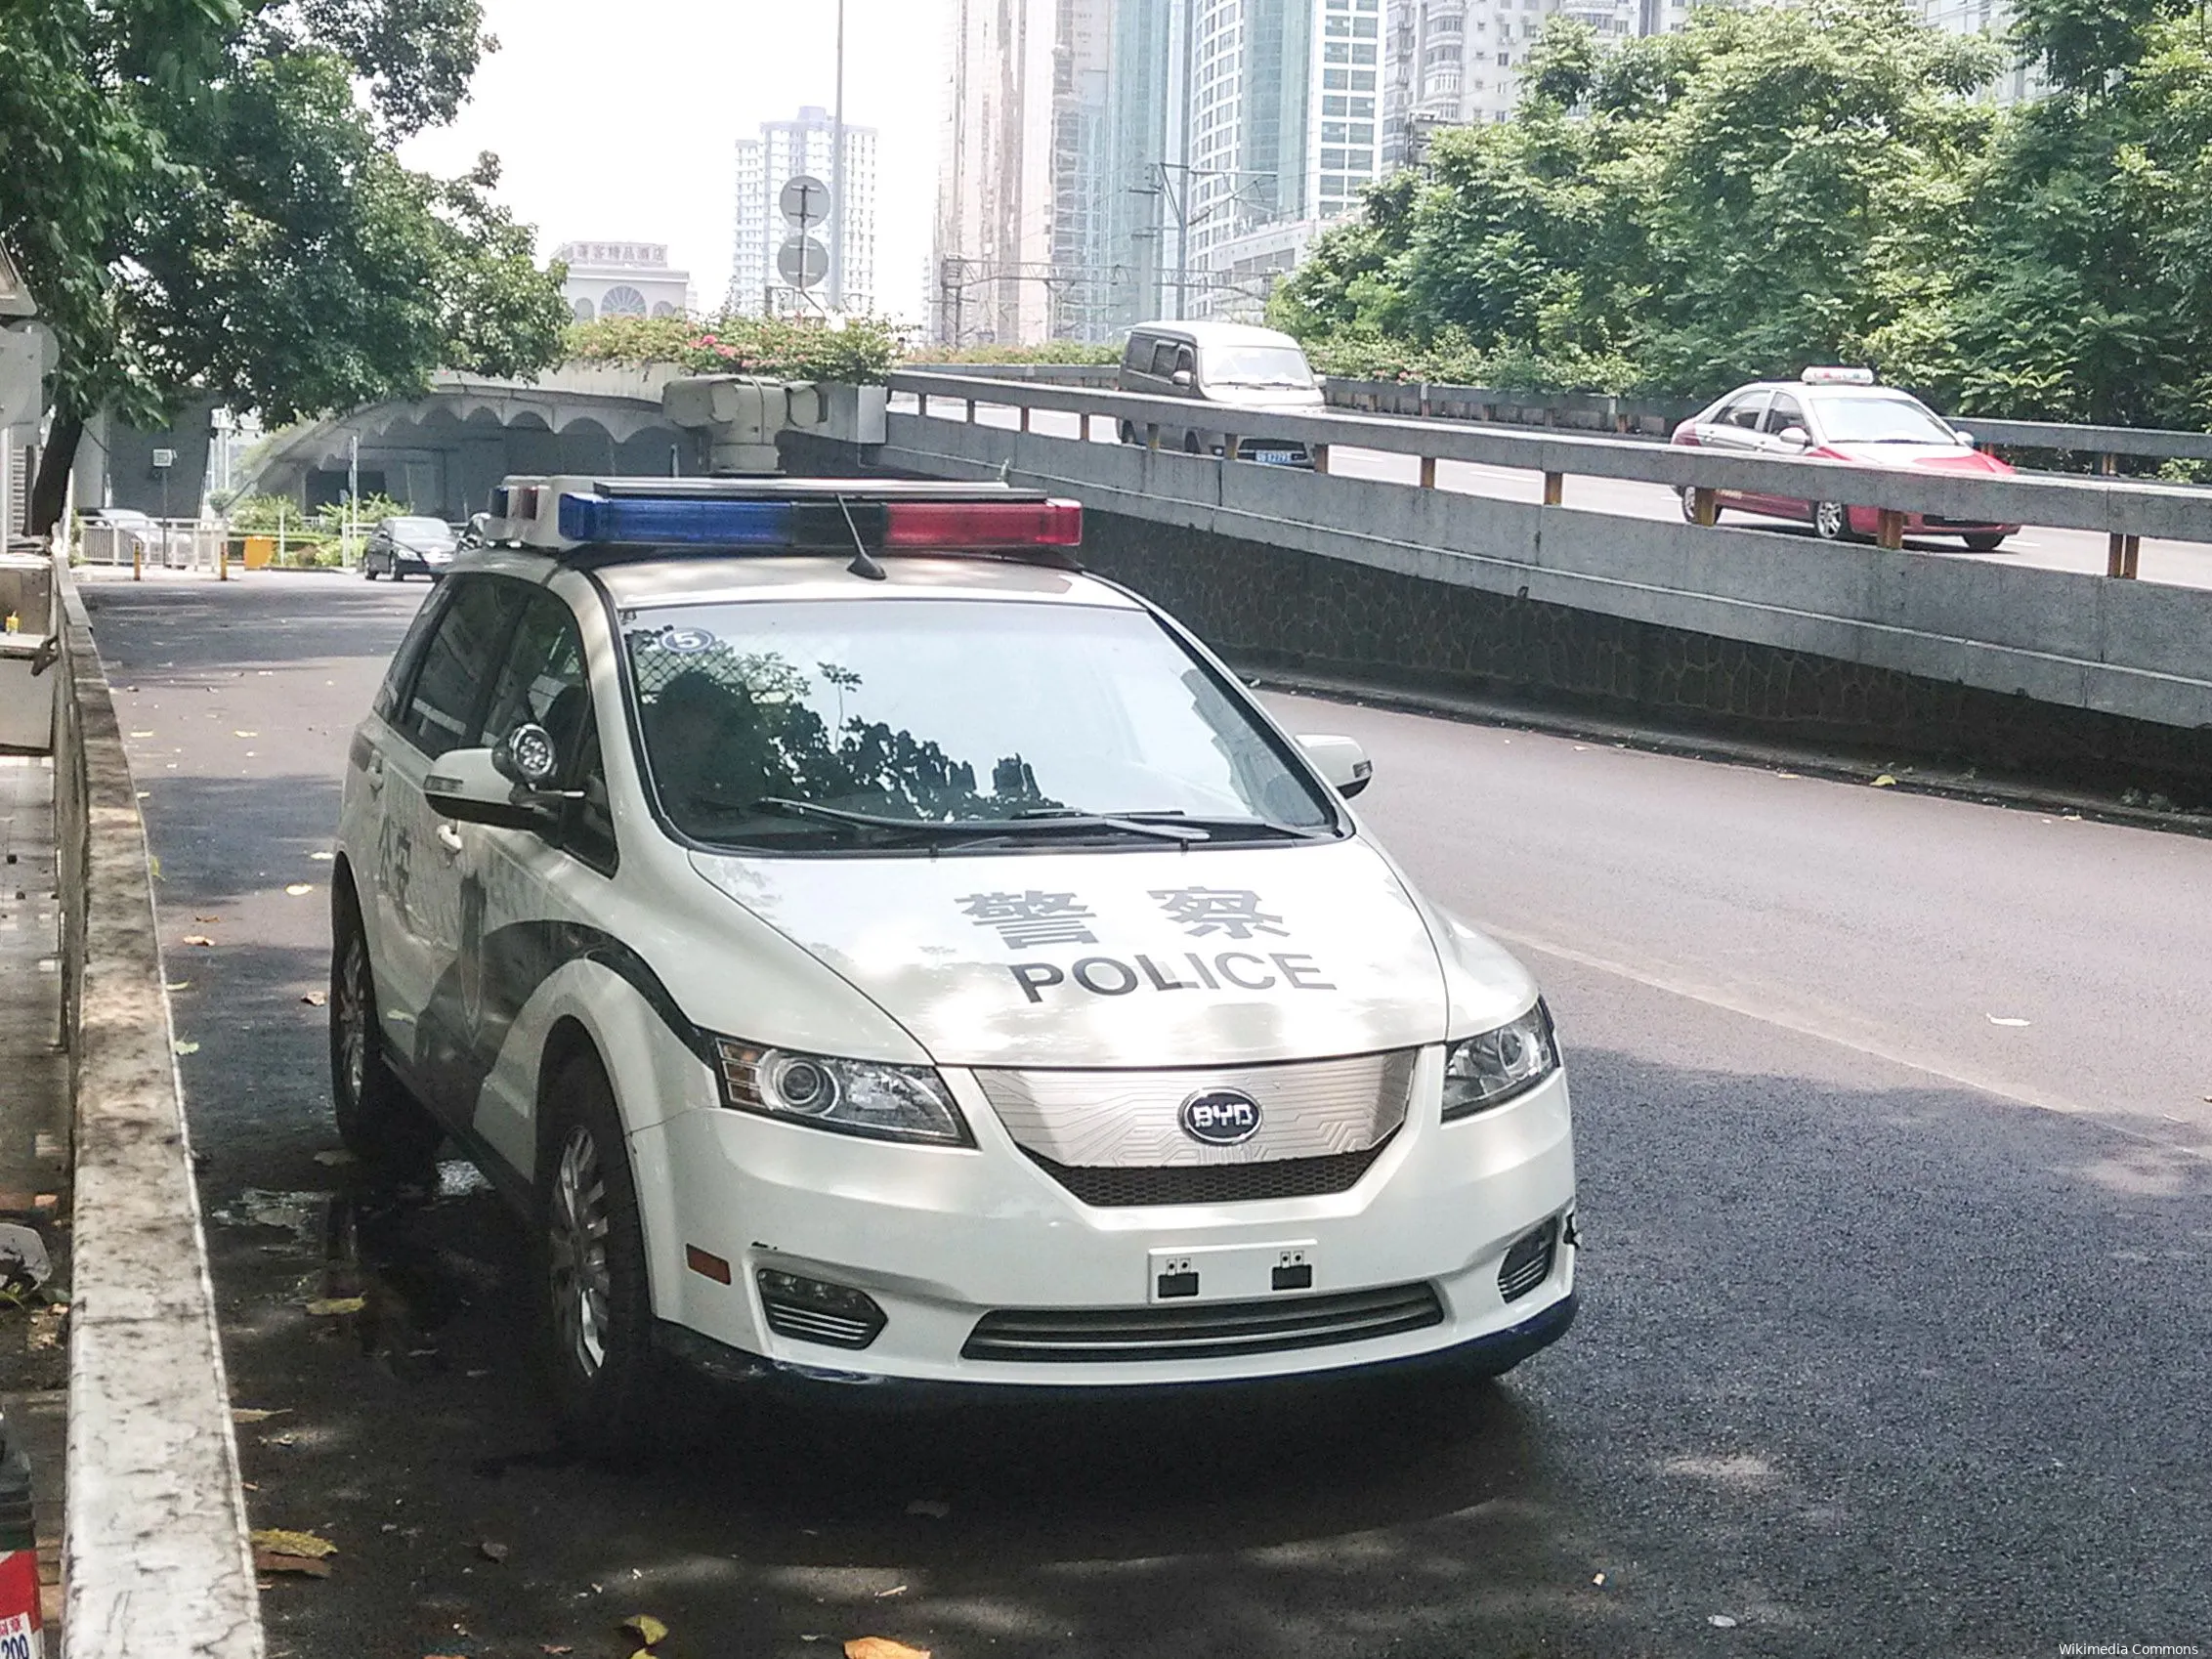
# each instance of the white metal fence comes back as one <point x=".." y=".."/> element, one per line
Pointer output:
<point x="174" y="544"/>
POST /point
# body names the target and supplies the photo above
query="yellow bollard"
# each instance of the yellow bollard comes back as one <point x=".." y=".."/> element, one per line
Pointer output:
<point x="138" y="558"/>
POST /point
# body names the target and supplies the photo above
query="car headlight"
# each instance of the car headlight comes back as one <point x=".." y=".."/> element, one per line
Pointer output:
<point x="1486" y="1071"/>
<point x="862" y="1097"/>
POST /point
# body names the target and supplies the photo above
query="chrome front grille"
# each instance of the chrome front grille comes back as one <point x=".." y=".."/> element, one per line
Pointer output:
<point x="1097" y="1120"/>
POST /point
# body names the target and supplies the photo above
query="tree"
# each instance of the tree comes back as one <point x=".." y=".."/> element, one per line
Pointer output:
<point x="2090" y="272"/>
<point x="222" y="217"/>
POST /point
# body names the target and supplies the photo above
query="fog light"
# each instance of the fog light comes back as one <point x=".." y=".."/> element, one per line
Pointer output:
<point x="809" y="1310"/>
<point x="1529" y="1262"/>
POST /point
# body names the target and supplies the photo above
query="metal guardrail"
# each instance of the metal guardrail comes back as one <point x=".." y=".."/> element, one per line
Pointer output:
<point x="156" y="1560"/>
<point x="174" y="544"/>
<point x="2123" y="510"/>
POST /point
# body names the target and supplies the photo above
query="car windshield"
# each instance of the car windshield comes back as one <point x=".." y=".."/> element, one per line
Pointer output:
<point x="1256" y="366"/>
<point x="434" y="529"/>
<point x="797" y="725"/>
<point x="1882" y="420"/>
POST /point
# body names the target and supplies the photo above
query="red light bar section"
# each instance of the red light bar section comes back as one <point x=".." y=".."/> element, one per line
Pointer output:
<point x="982" y="525"/>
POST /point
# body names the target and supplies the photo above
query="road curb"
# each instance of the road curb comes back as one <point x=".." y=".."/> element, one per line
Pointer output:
<point x="155" y="1554"/>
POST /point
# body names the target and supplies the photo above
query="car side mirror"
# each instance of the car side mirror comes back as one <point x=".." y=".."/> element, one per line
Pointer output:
<point x="1183" y="379"/>
<point x="1340" y="760"/>
<point x="1796" y="438"/>
<point x="486" y="785"/>
<point x="1966" y="438"/>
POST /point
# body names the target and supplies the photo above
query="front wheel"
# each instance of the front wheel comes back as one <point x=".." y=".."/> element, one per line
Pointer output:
<point x="598" y="1296"/>
<point x="1983" y="540"/>
<point x="1689" y="504"/>
<point x="381" y="1123"/>
<point x="1832" y="522"/>
<point x="367" y="568"/>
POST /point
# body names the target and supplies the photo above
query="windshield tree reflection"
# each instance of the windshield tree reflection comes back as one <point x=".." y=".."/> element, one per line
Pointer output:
<point x="941" y="711"/>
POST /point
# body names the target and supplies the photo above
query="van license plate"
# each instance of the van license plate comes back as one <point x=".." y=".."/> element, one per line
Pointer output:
<point x="1276" y="457"/>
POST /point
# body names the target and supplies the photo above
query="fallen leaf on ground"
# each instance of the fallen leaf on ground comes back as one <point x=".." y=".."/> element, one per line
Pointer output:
<point x="286" y="1542"/>
<point x="337" y="1158"/>
<point x="1721" y="1621"/>
<point x="327" y="1306"/>
<point x="186" y="1047"/>
<point x="325" y="858"/>
<point x="646" y="1629"/>
<point x="297" y="888"/>
<point x="246" y="734"/>
<point x="141" y="734"/>
<point x="255" y="1414"/>
<point x="929" y="1507"/>
<point x="882" y="1647"/>
<point x="201" y="940"/>
<point x="895" y="1590"/>
<point x="493" y="1552"/>
<point x="1885" y="782"/>
<point x="272" y="1561"/>
<point x="207" y="918"/>
<point x="317" y="999"/>
<point x="178" y="985"/>
<point x="2005" y="1019"/>
<point x="554" y="1649"/>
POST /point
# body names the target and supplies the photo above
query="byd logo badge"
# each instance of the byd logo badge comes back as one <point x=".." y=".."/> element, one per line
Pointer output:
<point x="1221" y="1117"/>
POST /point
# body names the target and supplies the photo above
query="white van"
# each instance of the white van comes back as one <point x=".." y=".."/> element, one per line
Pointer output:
<point x="1232" y="367"/>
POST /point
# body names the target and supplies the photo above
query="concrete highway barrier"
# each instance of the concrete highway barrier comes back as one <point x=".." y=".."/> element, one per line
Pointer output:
<point x="156" y="1558"/>
<point x="2083" y="642"/>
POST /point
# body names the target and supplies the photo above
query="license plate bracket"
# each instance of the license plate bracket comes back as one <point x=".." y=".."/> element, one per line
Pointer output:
<point x="1230" y="1272"/>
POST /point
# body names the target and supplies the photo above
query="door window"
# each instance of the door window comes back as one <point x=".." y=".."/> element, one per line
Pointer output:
<point x="441" y="710"/>
<point x="1745" y="411"/>
<point x="1782" y="415"/>
<point x="543" y="682"/>
<point x="1164" y="358"/>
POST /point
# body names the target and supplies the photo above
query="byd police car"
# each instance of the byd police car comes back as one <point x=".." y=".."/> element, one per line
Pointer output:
<point x="869" y="948"/>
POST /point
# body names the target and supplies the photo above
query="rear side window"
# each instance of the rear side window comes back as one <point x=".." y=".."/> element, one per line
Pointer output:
<point x="403" y="659"/>
<point x="1745" y="410"/>
<point x="457" y="665"/>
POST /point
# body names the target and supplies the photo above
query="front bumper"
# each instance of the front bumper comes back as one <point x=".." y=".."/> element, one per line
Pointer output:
<point x="955" y="1245"/>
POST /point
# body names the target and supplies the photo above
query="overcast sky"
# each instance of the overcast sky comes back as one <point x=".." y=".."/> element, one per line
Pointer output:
<point x="617" y="118"/>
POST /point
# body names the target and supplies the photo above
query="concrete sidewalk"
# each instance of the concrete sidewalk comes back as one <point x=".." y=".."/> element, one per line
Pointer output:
<point x="34" y="1140"/>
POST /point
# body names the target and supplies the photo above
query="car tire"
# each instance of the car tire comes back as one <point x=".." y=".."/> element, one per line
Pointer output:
<point x="1832" y="522"/>
<point x="598" y="1304"/>
<point x="1983" y="542"/>
<point x="1191" y="444"/>
<point x="367" y="568"/>
<point x="1689" y="505"/>
<point x="1128" y="432"/>
<point x="386" y="1129"/>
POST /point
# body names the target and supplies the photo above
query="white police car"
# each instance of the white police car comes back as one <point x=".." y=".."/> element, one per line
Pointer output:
<point x="868" y="947"/>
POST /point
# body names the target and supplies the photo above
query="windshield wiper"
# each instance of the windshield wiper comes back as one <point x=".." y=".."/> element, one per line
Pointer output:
<point x="1226" y="824"/>
<point x="1038" y="821"/>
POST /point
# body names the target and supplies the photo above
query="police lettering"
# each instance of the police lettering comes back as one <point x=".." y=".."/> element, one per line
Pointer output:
<point x="1234" y="970"/>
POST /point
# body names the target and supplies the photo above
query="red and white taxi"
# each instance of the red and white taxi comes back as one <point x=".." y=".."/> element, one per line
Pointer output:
<point x="1839" y="415"/>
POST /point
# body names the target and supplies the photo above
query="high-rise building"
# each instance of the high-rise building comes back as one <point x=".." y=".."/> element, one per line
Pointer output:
<point x="1023" y="202"/>
<point x="760" y="284"/>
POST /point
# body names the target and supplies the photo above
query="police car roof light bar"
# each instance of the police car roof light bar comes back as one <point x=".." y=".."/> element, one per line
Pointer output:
<point x="589" y="517"/>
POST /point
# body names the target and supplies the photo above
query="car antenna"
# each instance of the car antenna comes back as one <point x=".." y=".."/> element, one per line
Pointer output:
<point x="864" y="564"/>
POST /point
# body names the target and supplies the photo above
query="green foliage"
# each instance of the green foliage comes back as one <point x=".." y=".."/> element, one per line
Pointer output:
<point x="1824" y="182"/>
<point x="204" y="199"/>
<point x="857" y="349"/>
<point x="1072" y="352"/>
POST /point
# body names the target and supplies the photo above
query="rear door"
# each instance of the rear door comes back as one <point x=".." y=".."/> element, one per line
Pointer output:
<point x="421" y="863"/>
<point x="1733" y="430"/>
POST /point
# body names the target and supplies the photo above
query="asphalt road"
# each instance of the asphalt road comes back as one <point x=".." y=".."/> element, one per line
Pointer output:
<point x="1893" y="1141"/>
<point x="2184" y="564"/>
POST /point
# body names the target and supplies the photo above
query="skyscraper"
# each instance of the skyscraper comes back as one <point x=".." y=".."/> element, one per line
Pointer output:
<point x="1022" y="202"/>
<point x="786" y="151"/>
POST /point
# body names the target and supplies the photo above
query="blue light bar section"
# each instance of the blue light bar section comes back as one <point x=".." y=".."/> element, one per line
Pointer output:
<point x="674" y="522"/>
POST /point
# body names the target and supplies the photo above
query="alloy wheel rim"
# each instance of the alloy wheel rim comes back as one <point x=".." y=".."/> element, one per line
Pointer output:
<point x="353" y="1019"/>
<point x="1828" y="519"/>
<point x="577" y="1238"/>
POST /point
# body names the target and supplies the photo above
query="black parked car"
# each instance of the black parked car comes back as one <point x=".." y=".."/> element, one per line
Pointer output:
<point x="398" y="547"/>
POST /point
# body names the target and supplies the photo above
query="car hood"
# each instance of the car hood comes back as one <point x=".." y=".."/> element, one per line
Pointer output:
<point x="1126" y="959"/>
<point x="1926" y="457"/>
